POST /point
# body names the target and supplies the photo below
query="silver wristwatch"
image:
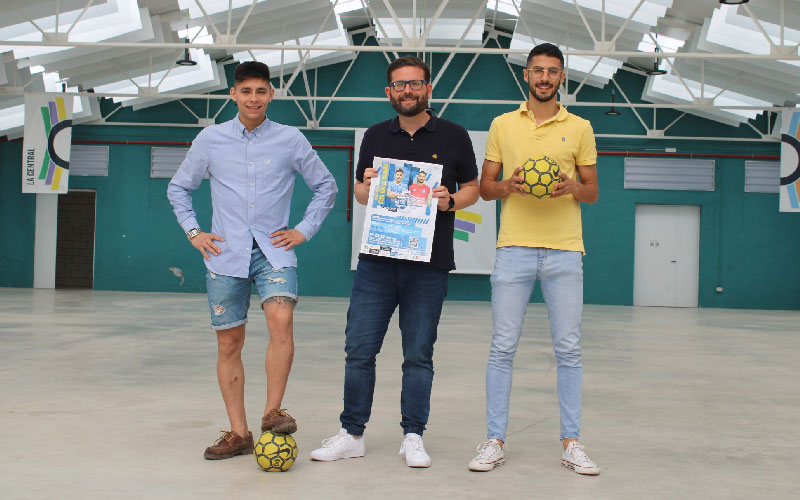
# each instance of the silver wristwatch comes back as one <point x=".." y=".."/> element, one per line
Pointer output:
<point x="193" y="232"/>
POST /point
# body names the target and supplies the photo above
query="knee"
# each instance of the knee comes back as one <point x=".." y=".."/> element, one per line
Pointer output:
<point x="568" y="355"/>
<point x="502" y="351"/>
<point x="229" y="347"/>
<point x="419" y="356"/>
<point x="281" y="336"/>
<point x="360" y="354"/>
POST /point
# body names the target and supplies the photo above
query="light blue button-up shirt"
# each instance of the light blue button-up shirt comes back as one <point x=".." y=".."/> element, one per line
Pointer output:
<point x="252" y="175"/>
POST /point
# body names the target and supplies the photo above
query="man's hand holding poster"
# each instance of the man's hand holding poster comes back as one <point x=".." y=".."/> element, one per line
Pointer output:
<point x="401" y="212"/>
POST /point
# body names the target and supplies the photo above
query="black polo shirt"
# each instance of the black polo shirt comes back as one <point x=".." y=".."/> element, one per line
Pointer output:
<point x="438" y="141"/>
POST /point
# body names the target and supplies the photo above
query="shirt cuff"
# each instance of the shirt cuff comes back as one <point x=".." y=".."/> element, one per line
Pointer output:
<point x="306" y="228"/>
<point x="189" y="223"/>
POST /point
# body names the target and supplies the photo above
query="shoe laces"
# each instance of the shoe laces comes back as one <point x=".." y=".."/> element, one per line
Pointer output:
<point x="487" y="448"/>
<point x="227" y="436"/>
<point x="334" y="440"/>
<point x="579" y="453"/>
<point x="281" y="412"/>
<point x="412" y="444"/>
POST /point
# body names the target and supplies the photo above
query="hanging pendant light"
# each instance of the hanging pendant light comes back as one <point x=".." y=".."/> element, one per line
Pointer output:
<point x="613" y="111"/>
<point x="187" y="58"/>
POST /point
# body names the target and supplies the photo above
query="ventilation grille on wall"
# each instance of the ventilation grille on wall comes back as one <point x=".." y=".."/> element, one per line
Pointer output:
<point x="669" y="174"/>
<point x="762" y="176"/>
<point x="88" y="160"/>
<point x="164" y="162"/>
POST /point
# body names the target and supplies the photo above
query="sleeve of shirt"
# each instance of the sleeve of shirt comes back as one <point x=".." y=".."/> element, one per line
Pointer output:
<point x="319" y="180"/>
<point x="493" y="144"/>
<point x="587" y="150"/>
<point x="467" y="167"/>
<point x="189" y="175"/>
<point x="365" y="157"/>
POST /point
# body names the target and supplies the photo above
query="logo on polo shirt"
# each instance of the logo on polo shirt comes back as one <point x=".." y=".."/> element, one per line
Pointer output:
<point x="563" y="139"/>
<point x="434" y="156"/>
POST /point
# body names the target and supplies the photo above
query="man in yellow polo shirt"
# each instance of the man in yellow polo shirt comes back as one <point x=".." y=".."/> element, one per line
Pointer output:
<point x="540" y="238"/>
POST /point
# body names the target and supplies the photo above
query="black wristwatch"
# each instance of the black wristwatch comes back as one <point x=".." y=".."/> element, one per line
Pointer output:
<point x="450" y="204"/>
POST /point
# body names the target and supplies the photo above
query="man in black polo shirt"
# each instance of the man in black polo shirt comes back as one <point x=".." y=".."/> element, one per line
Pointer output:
<point x="381" y="283"/>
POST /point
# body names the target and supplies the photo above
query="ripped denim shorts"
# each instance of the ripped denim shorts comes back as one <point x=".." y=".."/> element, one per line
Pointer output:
<point x="229" y="297"/>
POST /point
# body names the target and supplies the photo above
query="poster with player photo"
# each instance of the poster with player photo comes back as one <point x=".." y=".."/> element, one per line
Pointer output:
<point x="401" y="215"/>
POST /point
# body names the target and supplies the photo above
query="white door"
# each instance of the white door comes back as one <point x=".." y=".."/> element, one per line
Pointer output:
<point x="666" y="255"/>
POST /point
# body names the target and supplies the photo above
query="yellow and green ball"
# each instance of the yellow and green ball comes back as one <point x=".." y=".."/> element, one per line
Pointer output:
<point x="275" y="452"/>
<point x="540" y="176"/>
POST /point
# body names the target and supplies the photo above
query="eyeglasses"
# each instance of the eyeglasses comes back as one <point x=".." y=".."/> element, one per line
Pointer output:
<point x="538" y="71"/>
<point x="400" y="85"/>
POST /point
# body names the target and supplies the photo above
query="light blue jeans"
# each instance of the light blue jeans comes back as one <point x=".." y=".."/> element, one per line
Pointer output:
<point x="560" y="273"/>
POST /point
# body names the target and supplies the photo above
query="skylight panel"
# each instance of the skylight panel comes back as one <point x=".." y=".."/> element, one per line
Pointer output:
<point x="740" y="33"/>
<point x="347" y="6"/>
<point x="178" y="78"/>
<point x="96" y="25"/>
<point x="504" y="6"/>
<point x="444" y="30"/>
<point x="672" y="89"/>
<point x="212" y="6"/>
<point x="666" y="43"/>
<point x="192" y="34"/>
<point x="272" y="58"/>
<point x="649" y="13"/>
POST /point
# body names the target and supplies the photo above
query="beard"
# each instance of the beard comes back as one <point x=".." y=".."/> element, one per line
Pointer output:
<point x="420" y="106"/>
<point x="543" y="98"/>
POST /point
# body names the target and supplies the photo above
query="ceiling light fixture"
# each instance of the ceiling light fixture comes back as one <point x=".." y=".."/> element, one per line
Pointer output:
<point x="733" y="2"/>
<point x="656" y="70"/>
<point x="187" y="58"/>
<point x="613" y="111"/>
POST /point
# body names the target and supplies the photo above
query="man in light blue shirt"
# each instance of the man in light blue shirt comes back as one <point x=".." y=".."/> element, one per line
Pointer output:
<point x="251" y="163"/>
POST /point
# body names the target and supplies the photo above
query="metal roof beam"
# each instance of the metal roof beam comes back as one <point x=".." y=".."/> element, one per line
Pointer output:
<point x="737" y="56"/>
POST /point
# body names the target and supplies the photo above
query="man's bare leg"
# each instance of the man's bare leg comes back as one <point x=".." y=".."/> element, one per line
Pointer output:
<point x="230" y="374"/>
<point x="280" y="350"/>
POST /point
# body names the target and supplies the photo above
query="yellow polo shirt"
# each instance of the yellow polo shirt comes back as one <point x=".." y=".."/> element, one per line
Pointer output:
<point x="514" y="138"/>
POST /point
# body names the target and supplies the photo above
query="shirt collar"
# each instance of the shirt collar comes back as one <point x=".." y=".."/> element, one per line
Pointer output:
<point x="560" y="116"/>
<point x="238" y="126"/>
<point x="394" y="123"/>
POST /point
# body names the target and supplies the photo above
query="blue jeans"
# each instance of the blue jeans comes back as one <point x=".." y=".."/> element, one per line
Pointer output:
<point x="229" y="296"/>
<point x="378" y="288"/>
<point x="560" y="273"/>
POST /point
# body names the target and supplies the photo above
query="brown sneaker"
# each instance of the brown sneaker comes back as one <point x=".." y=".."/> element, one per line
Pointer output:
<point x="230" y="445"/>
<point x="279" y="422"/>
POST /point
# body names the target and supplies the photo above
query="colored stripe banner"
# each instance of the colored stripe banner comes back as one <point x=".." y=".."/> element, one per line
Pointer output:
<point x="47" y="143"/>
<point x="790" y="162"/>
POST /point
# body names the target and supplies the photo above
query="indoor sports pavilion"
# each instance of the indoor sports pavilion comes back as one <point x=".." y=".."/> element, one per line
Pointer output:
<point x="691" y="317"/>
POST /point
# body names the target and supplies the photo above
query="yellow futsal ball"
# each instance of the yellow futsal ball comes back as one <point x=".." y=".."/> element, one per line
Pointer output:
<point x="540" y="176"/>
<point x="275" y="452"/>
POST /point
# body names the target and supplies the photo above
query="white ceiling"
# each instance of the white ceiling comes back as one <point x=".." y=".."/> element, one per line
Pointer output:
<point x="127" y="49"/>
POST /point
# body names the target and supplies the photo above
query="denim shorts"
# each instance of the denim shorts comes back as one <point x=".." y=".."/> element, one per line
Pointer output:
<point x="229" y="297"/>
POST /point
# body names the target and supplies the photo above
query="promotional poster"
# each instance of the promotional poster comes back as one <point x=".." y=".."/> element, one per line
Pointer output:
<point x="401" y="211"/>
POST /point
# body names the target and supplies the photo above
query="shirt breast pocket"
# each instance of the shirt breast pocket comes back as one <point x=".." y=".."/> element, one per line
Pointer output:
<point x="274" y="170"/>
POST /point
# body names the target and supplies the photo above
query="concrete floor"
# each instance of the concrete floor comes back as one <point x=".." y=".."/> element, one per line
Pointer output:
<point x="114" y="395"/>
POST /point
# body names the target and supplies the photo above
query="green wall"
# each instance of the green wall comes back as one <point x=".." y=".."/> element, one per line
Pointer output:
<point x="746" y="245"/>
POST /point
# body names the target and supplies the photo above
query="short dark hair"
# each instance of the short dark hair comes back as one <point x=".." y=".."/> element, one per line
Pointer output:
<point x="251" y="69"/>
<point x="547" y="49"/>
<point x="407" y="61"/>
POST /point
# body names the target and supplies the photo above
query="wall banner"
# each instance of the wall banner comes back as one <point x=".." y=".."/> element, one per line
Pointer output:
<point x="47" y="143"/>
<point x="790" y="162"/>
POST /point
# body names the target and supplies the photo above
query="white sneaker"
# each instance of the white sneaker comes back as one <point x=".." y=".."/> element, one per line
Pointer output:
<point x="490" y="455"/>
<point x="574" y="457"/>
<point x="414" y="451"/>
<point x="342" y="445"/>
